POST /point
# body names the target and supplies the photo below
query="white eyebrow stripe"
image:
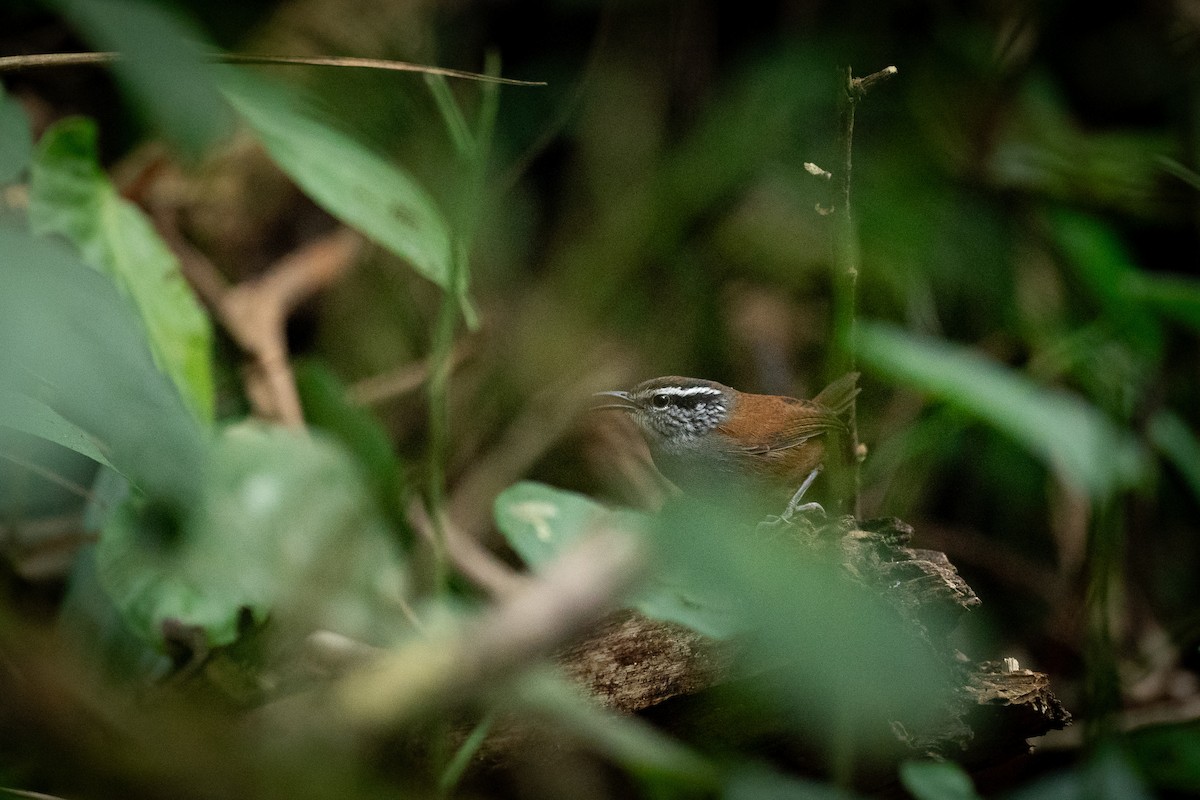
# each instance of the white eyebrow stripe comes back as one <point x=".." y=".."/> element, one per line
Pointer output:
<point x="687" y="391"/>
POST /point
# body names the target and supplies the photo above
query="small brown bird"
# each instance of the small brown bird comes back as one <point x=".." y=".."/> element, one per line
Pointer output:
<point x="706" y="436"/>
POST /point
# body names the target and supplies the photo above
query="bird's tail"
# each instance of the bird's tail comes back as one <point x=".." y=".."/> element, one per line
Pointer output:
<point x="838" y="395"/>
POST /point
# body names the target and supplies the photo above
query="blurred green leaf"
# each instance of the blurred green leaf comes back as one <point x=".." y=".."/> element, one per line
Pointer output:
<point x="937" y="780"/>
<point x="365" y="191"/>
<point x="284" y="526"/>
<point x="1105" y="266"/>
<point x="326" y="407"/>
<point x="1171" y="436"/>
<point x="634" y="744"/>
<point x="162" y="66"/>
<point x="1107" y="775"/>
<point x="1063" y="430"/>
<point x="1172" y="296"/>
<point x="30" y="415"/>
<point x="16" y="141"/>
<point x="828" y="654"/>
<point x="73" y="343"/>
<point x="71" y="196"/>
<point x="1040" y="148"/>
<point x="1168" y="755"/>
<point x="763" y="783"/>
<point x="539" y="522"/>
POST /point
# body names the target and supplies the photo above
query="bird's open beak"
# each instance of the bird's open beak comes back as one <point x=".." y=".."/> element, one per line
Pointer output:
<point x="623" y="401"/>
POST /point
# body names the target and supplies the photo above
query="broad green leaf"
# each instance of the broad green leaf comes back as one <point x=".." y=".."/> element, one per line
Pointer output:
<point x="284" y="526"/>
<point x="74" y="344"/>
<point x="540" y="522"/>
<point x="367" y="192"/>
<point x="937" y="780"/>
<point x="162" y="66"/>
<point x="831" y="656"/>
<point x="16" y="142"/>
<point x="1062" y="429"/>
<point x="70" y="195"/>
<point x="30" y="415"/>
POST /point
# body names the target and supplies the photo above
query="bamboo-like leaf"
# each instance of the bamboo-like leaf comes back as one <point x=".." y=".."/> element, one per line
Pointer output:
<point x="364" y="190"/>
<point x="1062" y="429"/>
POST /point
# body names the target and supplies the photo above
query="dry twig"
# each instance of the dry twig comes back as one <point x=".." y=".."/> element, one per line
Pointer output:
<point x="255" y="312"/>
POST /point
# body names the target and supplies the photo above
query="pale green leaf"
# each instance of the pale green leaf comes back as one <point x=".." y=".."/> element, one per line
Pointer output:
<point x="74" y="344"/>
<point x="937" y="780"/>
<point x="16" y="142"/>
<point x="70" y="195"/>
<point x="541" y="522"/>
<point x="284" y="526"/>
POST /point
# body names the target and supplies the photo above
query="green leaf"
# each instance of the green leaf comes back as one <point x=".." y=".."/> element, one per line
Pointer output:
<point x="284" y="526"/>
<point x="16" y="141"/>
<point x="74" y="344"/>
<point x="30" y="415"/>
<point x="540" y="522"/>
<point x="162" y="66"/>
<point x="1104" y="264"/>
<point x="1172" y="437"/>
<point x="830" y="656"/>
<point x="937" y="780"/>
<point x="70" y="195"/>
<point x="1169" y="755"/>
<point x="367" y="192"/>
<point x="323" y="398"/>
<point x="1062" y="429"/>
<point x="1172" y="296"/>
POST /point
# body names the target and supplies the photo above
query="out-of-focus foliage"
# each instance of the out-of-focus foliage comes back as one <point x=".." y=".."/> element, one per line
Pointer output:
<point x="1025" y="195"/>
<point x="311" y="548"/>
<point x="70" y="195"/>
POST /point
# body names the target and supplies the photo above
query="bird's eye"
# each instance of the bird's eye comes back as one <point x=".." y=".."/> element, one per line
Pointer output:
<point x="661" y="400"/>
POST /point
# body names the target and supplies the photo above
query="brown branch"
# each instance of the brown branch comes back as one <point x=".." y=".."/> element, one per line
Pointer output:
<point x="570" y="595"/>
<point x="472" y="560"/>
<point x="255" y="312"/>
<point x="39" y="60"/>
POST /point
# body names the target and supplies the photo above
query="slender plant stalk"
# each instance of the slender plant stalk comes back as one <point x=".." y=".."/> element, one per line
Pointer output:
<point x="844" y="472"/>
<point x="472" y="147"/>
<point x="461" y="759"/>
<point x="1106" y="542"/>
<point x="38" y="60"/>
<point x="847" y="258"/>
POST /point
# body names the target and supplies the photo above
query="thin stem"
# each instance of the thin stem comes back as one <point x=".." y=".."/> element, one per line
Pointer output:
<point x="847" y="261"/>
<point x="38" y="60"/>
<point x="463" y="755"/>
<point x="1107" y="537"/>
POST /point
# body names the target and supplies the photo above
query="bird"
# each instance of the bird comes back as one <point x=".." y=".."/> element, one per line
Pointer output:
<point x="707" y="437"/>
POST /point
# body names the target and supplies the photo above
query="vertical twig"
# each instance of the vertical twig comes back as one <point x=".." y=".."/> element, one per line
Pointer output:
<point x="844" y="474"/>
<point x="472" y="147"/>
